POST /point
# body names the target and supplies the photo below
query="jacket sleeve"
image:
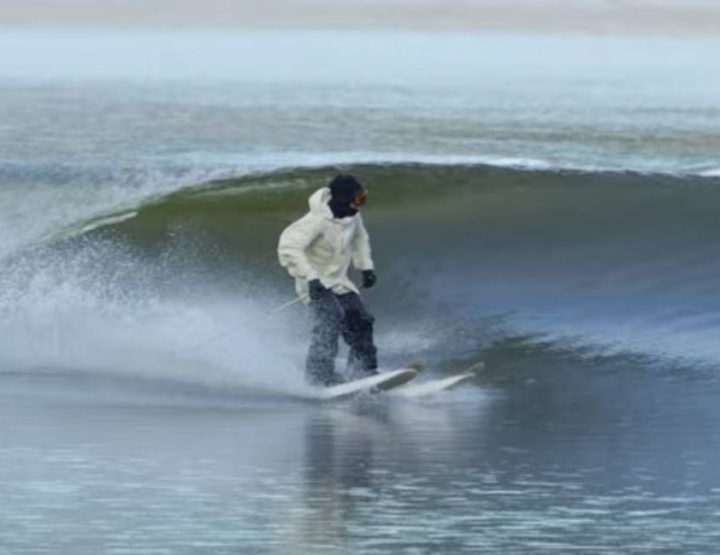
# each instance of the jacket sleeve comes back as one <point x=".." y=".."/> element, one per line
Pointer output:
<point x="292" y="244"/>
<point x="361" y="252"/>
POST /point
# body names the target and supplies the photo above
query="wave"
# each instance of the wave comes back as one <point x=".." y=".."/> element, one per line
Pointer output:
<point x="468" y="256"/>
<point x="58" y="199"/>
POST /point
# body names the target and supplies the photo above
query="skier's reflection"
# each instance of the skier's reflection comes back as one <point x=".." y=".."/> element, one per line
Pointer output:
<point x="338" y="472"/>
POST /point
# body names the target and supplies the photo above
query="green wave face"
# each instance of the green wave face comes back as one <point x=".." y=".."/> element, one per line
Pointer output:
<point x="458" y="214"/>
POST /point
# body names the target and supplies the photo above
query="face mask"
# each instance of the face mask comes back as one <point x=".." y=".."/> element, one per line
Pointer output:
<point x="342" y="206"/>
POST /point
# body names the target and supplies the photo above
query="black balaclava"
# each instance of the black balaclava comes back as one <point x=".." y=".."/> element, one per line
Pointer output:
<point x="343" y="190"/>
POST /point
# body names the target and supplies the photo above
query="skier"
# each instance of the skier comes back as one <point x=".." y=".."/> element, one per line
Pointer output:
<point x="317" y="251"/>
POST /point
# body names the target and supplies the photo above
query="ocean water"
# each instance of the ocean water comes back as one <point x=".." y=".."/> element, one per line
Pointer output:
<point x="545" y="204"/>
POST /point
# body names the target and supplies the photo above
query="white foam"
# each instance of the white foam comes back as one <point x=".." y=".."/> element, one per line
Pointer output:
<point x="714" y="172"/>
<point x="68" y="314"/>
<point x="37" y="212"/>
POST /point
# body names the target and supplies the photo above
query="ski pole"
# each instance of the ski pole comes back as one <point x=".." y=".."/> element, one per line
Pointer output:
<point x="287" y="304"/>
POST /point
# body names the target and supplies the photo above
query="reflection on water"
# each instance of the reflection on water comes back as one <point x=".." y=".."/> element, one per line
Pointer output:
<point x="532" y="467"/>
<point x="338" y="475"/>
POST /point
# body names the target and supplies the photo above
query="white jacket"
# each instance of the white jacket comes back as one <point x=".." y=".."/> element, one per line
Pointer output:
<point x="320" y="246"/>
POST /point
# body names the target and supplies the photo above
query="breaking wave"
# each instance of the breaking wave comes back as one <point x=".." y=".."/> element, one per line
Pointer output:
<point x="471" y="258"/>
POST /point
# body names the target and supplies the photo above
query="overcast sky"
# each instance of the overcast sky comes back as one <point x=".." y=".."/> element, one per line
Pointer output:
<point x="593" y="16"/>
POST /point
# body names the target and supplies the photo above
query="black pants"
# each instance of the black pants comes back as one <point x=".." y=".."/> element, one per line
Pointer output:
<point x="332" y="316"/>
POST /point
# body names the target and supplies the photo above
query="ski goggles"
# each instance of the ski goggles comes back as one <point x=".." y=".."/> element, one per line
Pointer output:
<point x="359" y="199"/>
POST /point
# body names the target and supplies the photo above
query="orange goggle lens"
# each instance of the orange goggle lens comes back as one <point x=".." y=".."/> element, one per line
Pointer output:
<point x="360" y="199"/>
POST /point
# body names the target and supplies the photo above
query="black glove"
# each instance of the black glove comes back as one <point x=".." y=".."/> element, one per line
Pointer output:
<point x="368" y="278"/>
<point x="316" y="290"/>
